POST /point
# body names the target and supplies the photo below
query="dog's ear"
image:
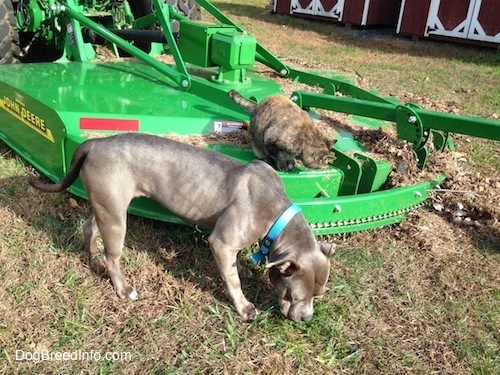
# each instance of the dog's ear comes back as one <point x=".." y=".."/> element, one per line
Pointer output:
<point x="286" y="267"/>
<point x="327" y="248"/>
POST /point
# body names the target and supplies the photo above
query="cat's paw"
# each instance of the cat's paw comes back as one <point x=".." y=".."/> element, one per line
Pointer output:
<point x="285" y="165"/>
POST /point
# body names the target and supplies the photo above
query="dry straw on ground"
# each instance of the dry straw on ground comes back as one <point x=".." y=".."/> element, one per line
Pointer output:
<point x="418" y="297"/>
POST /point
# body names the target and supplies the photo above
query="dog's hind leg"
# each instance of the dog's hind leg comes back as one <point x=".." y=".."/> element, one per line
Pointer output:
<point x="90" y="235"/>
<point x="113" y="243"/>
<point x="112" y="225"/>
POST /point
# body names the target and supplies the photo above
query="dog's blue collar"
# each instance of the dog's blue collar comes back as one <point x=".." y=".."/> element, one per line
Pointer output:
<point x="274" y="232"/>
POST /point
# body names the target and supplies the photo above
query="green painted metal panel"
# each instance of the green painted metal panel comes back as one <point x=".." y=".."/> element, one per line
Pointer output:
<point x="32" y="129"/>
<point x="48" y="109"/>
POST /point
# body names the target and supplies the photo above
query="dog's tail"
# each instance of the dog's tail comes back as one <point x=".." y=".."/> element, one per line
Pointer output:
<point x="242" y="101"/>
<point x="72" y="174"/>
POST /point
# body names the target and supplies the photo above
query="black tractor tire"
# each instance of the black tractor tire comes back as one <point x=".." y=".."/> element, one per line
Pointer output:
<point x="41" y="52"/>
<point x="189" y="8"/>
<point x="139" y="9"/>
<point x="9" y="37"/>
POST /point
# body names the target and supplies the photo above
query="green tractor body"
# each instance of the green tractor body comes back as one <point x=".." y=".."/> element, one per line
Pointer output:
<point x="63" y="94"/>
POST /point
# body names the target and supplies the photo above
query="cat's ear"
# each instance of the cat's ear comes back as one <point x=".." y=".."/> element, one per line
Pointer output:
<point x="330" y="142"/>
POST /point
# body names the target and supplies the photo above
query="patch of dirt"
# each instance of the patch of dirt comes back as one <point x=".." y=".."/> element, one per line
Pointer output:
<point x="239" y="138"/>
<point x="469" y="198"/>
<point x="426" y="103"/>
<point x="383" y="144"/>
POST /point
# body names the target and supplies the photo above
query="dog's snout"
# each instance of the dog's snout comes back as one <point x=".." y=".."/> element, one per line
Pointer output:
<point x="307" y="317"/>
<point x="299" y="312"/>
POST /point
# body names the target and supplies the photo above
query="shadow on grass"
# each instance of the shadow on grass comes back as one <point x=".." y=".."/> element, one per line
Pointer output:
<point x="382" y="39"/>
<point x="486" y="239"/>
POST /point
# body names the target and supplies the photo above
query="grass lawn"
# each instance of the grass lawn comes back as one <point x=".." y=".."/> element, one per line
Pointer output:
<point x="419" y="297"/>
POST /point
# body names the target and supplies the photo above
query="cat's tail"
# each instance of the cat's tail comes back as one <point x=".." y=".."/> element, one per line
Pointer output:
<point x="242" y="101"/>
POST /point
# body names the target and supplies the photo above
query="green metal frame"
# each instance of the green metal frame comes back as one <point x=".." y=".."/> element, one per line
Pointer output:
<point x="188" y="96"/>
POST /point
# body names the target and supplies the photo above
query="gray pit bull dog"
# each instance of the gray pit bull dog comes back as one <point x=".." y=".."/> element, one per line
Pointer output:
<point x="238" y="202"/>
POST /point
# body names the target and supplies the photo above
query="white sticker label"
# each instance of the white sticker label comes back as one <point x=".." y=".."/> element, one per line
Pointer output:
<point x="229" y="126"/>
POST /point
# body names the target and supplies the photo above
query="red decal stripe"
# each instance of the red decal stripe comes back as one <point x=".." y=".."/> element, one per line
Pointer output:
<point x="109" y="124"/>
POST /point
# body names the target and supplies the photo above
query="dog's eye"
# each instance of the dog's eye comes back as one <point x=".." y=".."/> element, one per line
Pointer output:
<point x="296" y="298"/>
<point x="288" y="295"/>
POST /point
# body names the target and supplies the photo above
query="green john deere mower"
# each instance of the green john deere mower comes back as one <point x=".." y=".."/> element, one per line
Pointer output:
<point x="56" y="91"/>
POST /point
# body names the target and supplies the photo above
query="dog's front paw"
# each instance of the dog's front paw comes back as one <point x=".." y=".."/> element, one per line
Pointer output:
<point x="127" y="293"/>
<point x="249" y="312"/>
<point x="133" y="295"/>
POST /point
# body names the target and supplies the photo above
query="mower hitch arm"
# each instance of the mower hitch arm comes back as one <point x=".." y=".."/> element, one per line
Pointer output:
<point x="182" y="79"/>
<point x="412" y="121"/>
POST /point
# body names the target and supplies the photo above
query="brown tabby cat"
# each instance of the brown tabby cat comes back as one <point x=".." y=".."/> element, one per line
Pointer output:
<point x="281" y="132"/>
